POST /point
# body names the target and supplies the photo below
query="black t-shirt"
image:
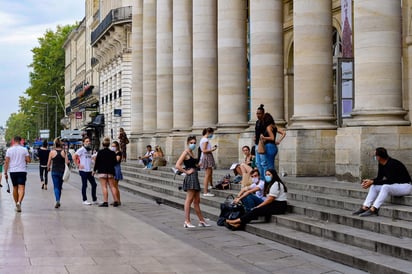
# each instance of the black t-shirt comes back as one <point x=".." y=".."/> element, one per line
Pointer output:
<point x="259" y="129"/>
<point x="43" y="156"/>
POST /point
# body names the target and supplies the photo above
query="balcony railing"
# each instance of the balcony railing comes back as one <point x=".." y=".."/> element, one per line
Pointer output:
<point x="114" y="17"/>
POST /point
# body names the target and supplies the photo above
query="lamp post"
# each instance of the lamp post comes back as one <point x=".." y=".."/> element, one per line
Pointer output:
<point x="47" y="112"/>
<point x="55" y="112"/>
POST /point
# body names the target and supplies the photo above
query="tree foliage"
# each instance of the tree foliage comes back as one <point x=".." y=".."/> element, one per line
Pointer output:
<point x="46" y="82"/>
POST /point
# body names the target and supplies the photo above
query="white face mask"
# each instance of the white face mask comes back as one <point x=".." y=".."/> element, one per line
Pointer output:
<point x="255" y="180"/>
<point x="112" y="148"/>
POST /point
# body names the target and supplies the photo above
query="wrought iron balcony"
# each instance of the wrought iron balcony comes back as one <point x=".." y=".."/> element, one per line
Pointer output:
<point x="115" y="16"/>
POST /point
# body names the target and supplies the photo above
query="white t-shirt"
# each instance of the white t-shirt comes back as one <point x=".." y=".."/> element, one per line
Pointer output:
<point x="17" y="155"/>
<point x="277" y="192"/>
<point x="85" y="159"/>
<point x="261" y="185"/>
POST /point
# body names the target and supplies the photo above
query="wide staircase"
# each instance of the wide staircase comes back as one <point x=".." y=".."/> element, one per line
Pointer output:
<point x="319" y="220"/>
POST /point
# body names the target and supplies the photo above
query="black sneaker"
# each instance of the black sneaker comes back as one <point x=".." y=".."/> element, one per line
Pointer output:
<point x="359" y="211"/>
<point x="116" y="204"/>
<point x="104" y="204"/>
<point x="369" y="213"/>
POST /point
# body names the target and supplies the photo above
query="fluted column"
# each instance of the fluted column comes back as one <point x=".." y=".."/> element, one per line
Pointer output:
<point x="164" y="65"/>
<point x="232" y="63"/>
<point x="378" y="74"/>
<point x="204" y="63"/>
<point x="149" y="66"/>
<point x="312" y="26"/>
<point x="137" y="65"/>
<point x="266" y="57"/>
<point x="182" y="65"/>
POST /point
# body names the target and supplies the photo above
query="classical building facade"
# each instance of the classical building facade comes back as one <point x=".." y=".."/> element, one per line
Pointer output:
<point x="336" y="74"/>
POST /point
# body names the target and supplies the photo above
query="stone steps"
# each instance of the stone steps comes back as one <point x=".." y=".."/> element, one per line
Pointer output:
<point x="320" y="220"/>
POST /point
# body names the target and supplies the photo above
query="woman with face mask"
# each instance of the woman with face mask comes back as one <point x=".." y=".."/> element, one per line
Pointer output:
<point x="252" y="195"/>
<point x="274" y="204"/>
<point x="187" y="165"/>
<point x="207" y="161"/>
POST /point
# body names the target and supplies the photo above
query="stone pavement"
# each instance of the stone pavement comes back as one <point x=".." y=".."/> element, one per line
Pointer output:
<point x="138" y="237"/>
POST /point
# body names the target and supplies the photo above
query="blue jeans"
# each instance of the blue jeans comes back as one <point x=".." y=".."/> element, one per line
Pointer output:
<point x="251" y="201"/>
<point x="261" y="163"/>
<point x="88" y="176"/>
<point x="270" y="151"/>
<point x="57" y="178"/>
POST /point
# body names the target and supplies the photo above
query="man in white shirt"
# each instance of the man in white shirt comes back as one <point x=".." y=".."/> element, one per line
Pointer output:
<point x="83" y="159"/>
<point x="148" y="157"/>
<point x="17" y="158"/>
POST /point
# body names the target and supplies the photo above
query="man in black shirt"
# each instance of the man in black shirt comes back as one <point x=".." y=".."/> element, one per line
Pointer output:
<point x="393" y="179"/>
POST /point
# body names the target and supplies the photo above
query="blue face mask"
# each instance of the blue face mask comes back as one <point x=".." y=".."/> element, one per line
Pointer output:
<point x="374" y="158"/>
<point x="210" y="136"/>
<point x="192" y="146"/>
<point x="268" y="178"/>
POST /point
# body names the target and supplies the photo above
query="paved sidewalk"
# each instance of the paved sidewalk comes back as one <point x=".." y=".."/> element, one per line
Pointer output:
<point x="138" y="237"/>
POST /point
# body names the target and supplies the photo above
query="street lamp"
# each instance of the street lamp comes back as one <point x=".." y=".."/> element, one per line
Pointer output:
<point x="47" y="112"/>
<point x="55" y="112"/>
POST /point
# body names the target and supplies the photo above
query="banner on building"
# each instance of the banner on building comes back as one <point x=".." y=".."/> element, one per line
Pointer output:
<point x="346" y="13"/>
<point x="79" y="115"/>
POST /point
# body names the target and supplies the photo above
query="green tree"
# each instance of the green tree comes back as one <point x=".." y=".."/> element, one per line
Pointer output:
<point x="46" y="79"/>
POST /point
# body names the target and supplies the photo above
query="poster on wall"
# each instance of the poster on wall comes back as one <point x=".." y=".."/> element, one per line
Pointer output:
<point x="346" y="13"/>
<point x="79" y="115"/>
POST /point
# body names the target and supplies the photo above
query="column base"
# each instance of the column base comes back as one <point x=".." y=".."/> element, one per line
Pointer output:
<point x="308" y="153"/>
<point x="355" y="148"/>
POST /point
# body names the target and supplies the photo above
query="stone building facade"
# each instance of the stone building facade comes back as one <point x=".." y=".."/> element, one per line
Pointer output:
<point x="335" y="74"/>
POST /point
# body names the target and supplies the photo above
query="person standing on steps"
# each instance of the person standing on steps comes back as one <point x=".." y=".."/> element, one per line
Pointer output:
<point x="187" y="164"/>
<point x="123" y="142"/>
<point x="207" y="161"/>
<point x="393" y="179"/>
<point x="83" y="159"/>
<point x="43" y="154"/>
<point x="17" y="158"/>
<point x="2" y="158"/>
<point x="57" y="162"/>
<point x="260" y="159"/>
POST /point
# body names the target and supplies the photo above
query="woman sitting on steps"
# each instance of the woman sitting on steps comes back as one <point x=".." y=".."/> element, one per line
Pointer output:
<point x="274" y="204"/>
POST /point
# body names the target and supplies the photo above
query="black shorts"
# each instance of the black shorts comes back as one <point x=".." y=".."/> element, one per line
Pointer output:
<point x="18" y="178"/>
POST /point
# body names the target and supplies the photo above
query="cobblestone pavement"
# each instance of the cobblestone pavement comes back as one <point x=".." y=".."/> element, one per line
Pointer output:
<point x="138" y="237"/>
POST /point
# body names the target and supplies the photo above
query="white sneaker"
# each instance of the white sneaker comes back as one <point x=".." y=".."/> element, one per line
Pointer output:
<point x="87" y="203"/>
<point x="208" y="194"/>
<point x="96" y="202"/>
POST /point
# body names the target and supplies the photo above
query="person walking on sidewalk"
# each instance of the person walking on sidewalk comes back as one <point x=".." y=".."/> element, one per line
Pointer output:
<point x="190" y="183"/>
<point x="43" y="154"/>
<point x="104" y="167"/>
<point x="57" y="161"/>
<point x="2" y="158"/>
<point x="17" y="158"/>
<point x="393" y="179"/>
<point x="207" y="161"/>
<point x="83" y="159"/>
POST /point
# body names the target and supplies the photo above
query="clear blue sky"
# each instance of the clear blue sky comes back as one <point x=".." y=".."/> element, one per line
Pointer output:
<point x="22" y="22"/>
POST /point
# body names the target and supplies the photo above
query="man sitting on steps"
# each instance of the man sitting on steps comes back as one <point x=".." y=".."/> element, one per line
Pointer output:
<point x="393" y="179"/>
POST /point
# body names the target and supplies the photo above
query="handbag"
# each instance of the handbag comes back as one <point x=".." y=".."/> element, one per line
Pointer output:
<point x="229" y="210"/>
<point x="261" y="146"/>
<point x="66" y="174"/>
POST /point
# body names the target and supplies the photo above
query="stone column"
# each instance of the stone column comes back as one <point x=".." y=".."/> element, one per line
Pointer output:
<point x="378" y="114"/>
<point x="149" y="67"/>
<point x="309" y="148"/>
<point x="137" y="66"/>
<point x="266" y="58"/>
<point x="232" y="63"/>
<point x="378" y="74"/>
<point x="164" y="65"/>
<point x="182" y="65"/>
<point x="313" y="106"/>
<point x="204" y="63"/>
